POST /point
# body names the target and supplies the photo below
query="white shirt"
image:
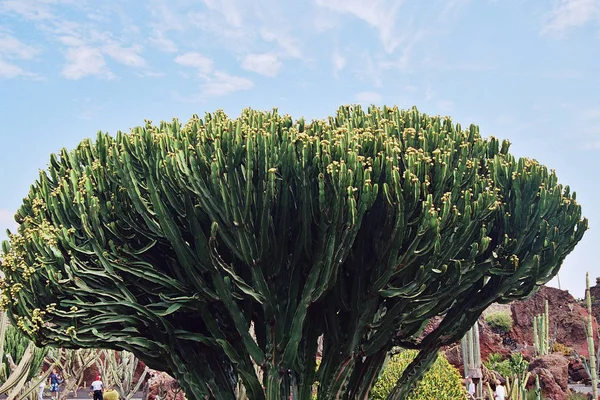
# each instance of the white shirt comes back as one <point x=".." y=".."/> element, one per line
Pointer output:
<point x="97" y="385"/>
<point x="500" y="392"/>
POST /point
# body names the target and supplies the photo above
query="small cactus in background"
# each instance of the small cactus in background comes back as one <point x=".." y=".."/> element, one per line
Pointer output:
<point x="540" y="332"/>
<point x="23" y="362"/>
<point x="590" y="364"/>
<point x="72" y="364"/>
<point x="471" y="351"/>
<point x="118" y="371"/>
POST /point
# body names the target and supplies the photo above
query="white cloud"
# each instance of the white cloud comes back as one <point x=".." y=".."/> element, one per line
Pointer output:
<point x="13" y="47"/>
<point x="266" y="64"/>
<point x="290" y="45"/>
<point x="380" y="14"/>
<point x="228" y="9"/>
<point x="195" y="60"/>
<point x="163" y="43"/>
<point x="127" y="56"/>
<point x="28" y="9"/>
<point x="8" y="70"/>
<point x="222" y="84"/>
<point x="85" y="61"/>
<point x="368" y="97"/>
<point x="566" y="14"/>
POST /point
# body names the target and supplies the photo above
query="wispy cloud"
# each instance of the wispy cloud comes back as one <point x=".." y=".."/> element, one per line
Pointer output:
<point x="287" y="43"/>
<point x="125" y="55"/>
<point x="28" y="9"/>
<point x="86" y="44"/>
<point x="266" y="64"/>
<point x="8" y="70"/>
<point x="216" y="83"/>
<point x="379" y="14"/>
<point x="13" y="47"/>
<point x="203" y="64"/>
<point x="222" y="84"/>
<point x="567" y="14"/>
<point x="12" y="51"/>
<point x="85" y="61"/>
<point x="160" y="40"/>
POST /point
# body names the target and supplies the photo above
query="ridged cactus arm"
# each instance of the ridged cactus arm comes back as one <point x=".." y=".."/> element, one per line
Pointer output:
<point x="3" y="328"/>
<point x="351" y="228"/>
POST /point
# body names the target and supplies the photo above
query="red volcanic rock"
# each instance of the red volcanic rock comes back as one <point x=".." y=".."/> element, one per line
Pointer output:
<point x="454" y="356"/>
<point x="595" y="294"/>
<point x="577" y="372"/>
<point x="557" y="364"/>
<point x="490" y="342"/>
<point x="164" y="387"/>
<point x="566" y="318"/>
<point x="550" y="388"/>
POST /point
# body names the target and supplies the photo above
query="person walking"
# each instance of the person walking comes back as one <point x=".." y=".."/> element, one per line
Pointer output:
<point x="54" y="382"/>
<point x="97" y="388"/>
<point x="42" y="387"/>
<point x="471" y="386"/>
<point x="500" y="390"/>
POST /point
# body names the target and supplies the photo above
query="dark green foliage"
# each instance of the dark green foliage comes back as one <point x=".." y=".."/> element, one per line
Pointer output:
<point x="170" y="240"/>
<point x="500" y="320"/>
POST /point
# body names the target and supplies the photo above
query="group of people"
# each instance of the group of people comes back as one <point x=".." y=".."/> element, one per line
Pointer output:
<point x="499" y="393"/>
<point x="55" y="379"/>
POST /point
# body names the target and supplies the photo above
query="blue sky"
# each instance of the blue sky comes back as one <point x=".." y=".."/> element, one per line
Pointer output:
<point x="522" y="70"/>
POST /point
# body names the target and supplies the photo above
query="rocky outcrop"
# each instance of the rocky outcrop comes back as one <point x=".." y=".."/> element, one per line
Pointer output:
<point x="490" y="342"/>
<point x="550" y="388"/>
<point x="577" y="372"/>
<point x="162" y="386"/>
<point x="595" y="294"/>
<point x="566" y="318"/>
<point x="557" y="365"/>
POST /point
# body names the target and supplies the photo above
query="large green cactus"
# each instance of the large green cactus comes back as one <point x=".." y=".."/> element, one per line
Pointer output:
<point x="169" y="241"/>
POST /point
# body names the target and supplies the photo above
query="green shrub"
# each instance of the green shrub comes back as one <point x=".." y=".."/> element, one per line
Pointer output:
<point x="561" y="348"/>
<point x="495" y="363"/>
<point x="577" y="396"/>
<point x="441" y="382"/>
<point x="501" y="320"/>
<point x="518" y="365"/>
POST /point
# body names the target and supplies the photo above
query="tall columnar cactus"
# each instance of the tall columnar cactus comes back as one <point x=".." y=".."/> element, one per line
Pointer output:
<point x="118" y="371"/>
<point x="169" y="241"/>
<point x="72" y="364"/>
<point x="20" y="362"/>
<point x="590" y="333"/>
<point x="471" y="351"/>
<point x="540" y="332"/>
